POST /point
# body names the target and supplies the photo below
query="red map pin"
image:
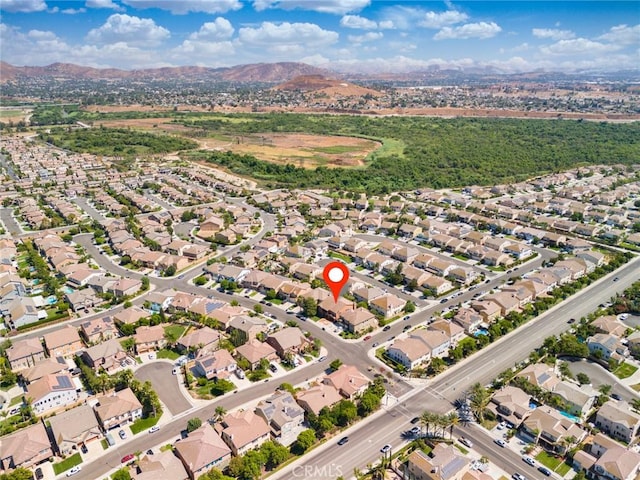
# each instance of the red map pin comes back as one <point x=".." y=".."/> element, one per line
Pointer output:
<point x="336" y="274"/>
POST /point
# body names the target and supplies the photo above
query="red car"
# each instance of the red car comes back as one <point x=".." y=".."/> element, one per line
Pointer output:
<point x="127" y="458"/>
<point x="368" y="337"/>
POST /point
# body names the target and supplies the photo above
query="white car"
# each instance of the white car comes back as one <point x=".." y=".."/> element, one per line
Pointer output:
<point x="386" y="448"/>
<point x="466" y="442"/>
<point x="154" y="429"/>
<point x="500" y="442"/>
<point x="529" y="461"/>
<point x="74" y="470"/>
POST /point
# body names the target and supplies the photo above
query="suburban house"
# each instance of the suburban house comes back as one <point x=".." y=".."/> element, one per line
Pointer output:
<point x="540" y="375"/>
<point x="607" y="346"/>
<point x="117" y="409"/>
<point x="606" y="459"/>
<point x="218" y="364"/>
<point x="468" y="319"/>
<point x="254" y="351"/>
<point x="452" y="330"/>
<point x="243" y="431"/>
<point x="25" y="353"/>
<point x="359" y="320"/>
<point x="74" y="428"/>
<point x="64" y="342"/>
<point x="149" y="338"/>
<point x="317" y="397"/>
<point x="202" y="450"/>
<point x="44" y="367"/>
<point x="488" y="310"/>
<point x="511" y="404"/>
<point x="578" y="399"/>
<point x="388" y="305"/>
<point x="549" y="428"/>
<point x="419" y="347"/>
<point x="250" y="326"/>
<point x="160" y="465"/>
<point x="51" y="392"/>
<point x="444" y="462"/>
<point x="616" y="419"/>
<point x="106" y="355"/>
<point x="26" y="448"/>
<point x="284" y="416"/>
<point x="288" y="340"/>
<point x="98" y="330"/>
<point x="204" y="339"/>
<point x="348" y="380"/>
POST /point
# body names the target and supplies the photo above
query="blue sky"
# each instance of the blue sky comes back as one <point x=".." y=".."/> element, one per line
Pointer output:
<point x="344" y="35"/>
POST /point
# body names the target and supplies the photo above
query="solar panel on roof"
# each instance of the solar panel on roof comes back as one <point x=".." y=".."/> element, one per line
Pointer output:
<point x="63" y="382"/>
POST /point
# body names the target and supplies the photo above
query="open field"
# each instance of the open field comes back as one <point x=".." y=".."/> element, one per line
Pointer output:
<point x="14" y="113"/>
<point x="301" y="150"/>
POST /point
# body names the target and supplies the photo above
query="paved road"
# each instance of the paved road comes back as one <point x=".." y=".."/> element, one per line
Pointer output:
<point x="367" y="437"/>
<point x="90" y="210"/>
<point x="600" y="376"/>
<point x="10" y="223"/>
<point x="165" y="384"/>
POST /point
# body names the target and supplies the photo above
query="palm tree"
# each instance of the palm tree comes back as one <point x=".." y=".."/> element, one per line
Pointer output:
<point x="635" y="404"/>
<point x="478" y="400"/>
<point x="426" y="419"/>
<point x="220" y="412"/>
<point x="453" y="420"/>
<point x="604" y="389"/>
<point x="441" y="425"/>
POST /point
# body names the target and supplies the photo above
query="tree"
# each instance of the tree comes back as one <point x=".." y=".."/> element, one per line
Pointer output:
<point x="335" y="364"/>
<point x="19" y="473"/>
<point x="453" y="420"/>
<point x="122" y="474"/>
<point x="345" y="412"/>
<point x="583" y="378"/>
<point x="309" y="307"/>
<point x="305" y="440"/>
<point x="478" y="400"/>
<point x="369" y="402"/>
<point x="409" y="307"/>
<point x="214" y="474"/>
<point x="604" y="390"/>
<point x="274" y="453"/>
<point x="145" y="283"/>
<point x="193" y="424"/>
<point x="257" y="308"/>
<point x="220" y="412"/>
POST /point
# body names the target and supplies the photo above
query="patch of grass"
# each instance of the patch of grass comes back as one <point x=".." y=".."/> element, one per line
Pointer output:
<point x="15" y="401"/>
<point x="563" y="469"/>
<point x="258" y="375"/>
<point x="548" y="461"/>
<point x="143" y="424"/>
<point x="489" y="424"/>
<point x="166" y="447"/>
<point x="121" y="474"/>
<point x="67" y="463"/>
<point x="104" y="443"/>
<point x="174" y="331"/>
<point x="340" y="256"/>
<point x="625" y="370"/>
<point x="462" y="449"/>
<point x="168" y="354"/>
<point x="636" y="387"/>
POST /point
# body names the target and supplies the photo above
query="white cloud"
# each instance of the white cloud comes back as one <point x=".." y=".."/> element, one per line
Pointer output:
<point x="553" y="33"/>
<point x="73" y="11"/>
<point x="182" y="7"/>
<point x="386" y="24"/>
<point x="104" y="4"/>
<point x="439" y="20"/>
<point x="480" y="30"/>
<point x="24" y="6"/>
<point x="622" y="34"/>
<point x="131" y="30"/>
<point x="338" y="7"/>
<point x="284" y="36"/>
<point x="219" y="29"/>
<point x="578" y="46"/>
<point x="356" y="21"/>
<point x="367" y="37"/>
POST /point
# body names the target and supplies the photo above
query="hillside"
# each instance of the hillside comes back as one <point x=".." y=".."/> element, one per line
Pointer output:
<point x="322" y="85"/>
<point x="260" y="72"/>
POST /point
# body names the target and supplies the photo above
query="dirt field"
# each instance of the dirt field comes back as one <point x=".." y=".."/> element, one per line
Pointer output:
<point x="308" y="151"/>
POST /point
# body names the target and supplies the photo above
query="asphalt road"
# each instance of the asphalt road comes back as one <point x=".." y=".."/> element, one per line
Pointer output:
<point x="600" y="376"/>
<point x="367" y="437"/>
<point x="165" y="384"/>
<point x="10" y="223"/>
<point x="90" y="210"/>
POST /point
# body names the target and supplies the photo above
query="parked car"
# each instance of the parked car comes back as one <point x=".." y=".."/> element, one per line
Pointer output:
<point x="500" y="442"/>
<point x="175" y="371"/>
<point x="529" y="461"/>
<point x="322" y="358"/>
<point x="127" y="458"/>
<point x="415" y="430"/>
<point x="154" y="429"/>
<point x="615" y="396"/>
<point x="545" y="471"/>
<point x="343" y="440"/>
<point x="375" y="344"/>
<point x="84" y="448"/>
<point x="517" y="476"/>
<point x="122" y="434"/>
<point x="386" y="328"/>
<point x="39" y="474"/>
<point x="386" y="448"/>
<point x="273" y="368"/>
<point x="415" y="420"/>
<point x="466" y="442"/>
<point x="74" y="470"/>
<point x="368" y="337"/>
<point x="571" y="320"/>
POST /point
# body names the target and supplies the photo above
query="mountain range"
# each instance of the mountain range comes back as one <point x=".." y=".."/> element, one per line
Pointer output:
<point x="281" y="72"/>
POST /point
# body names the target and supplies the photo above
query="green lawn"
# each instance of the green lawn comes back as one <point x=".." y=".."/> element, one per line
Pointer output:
<point x="553" y="463"/>
<point x="165" y="353"/>
<point x="174" y="331"/>
<point x="15" y="401"/>
<point x="143" y="424"/>
<point x="67" y="463"/>
<point x="625" y="370"/>
<point x="166" y="447"/>
<point x="104" y="443"/>
<point x="636" y="387"/>
<point x="340" y="256"/>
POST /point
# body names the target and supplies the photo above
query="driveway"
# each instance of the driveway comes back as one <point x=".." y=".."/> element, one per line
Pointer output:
<point x="166" y="384"/>
<point x="600" y="376"/>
